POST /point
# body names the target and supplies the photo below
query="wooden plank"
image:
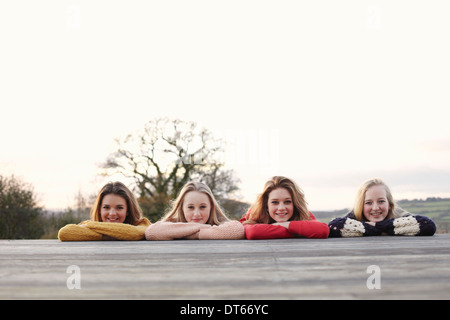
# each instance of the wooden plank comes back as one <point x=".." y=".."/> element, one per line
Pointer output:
<point x="410" y="268"/>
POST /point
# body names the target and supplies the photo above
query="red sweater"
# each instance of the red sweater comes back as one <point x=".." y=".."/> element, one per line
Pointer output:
<point x="303" y="228"/>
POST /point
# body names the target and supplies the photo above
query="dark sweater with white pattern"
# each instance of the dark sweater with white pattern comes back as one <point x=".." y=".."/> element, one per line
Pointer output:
<point x="405" y="224"/>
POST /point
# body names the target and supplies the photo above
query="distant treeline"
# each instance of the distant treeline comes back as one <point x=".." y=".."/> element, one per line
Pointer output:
<point x="327" y="216"/>
<point x="430" y="199"/>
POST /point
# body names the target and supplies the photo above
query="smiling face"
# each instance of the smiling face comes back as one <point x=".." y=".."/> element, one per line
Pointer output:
<point x="376" y="205"/>
<point x="196" y="207"/>
<point x="280" y="205"/>
<point x="113" y="208"/>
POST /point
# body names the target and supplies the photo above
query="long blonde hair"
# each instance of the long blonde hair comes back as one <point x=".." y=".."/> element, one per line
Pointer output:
<point x="176" y="214"/>
<point x="358" y="207"/>
<point x="259" y="211"/>
<point x="134" y="211"/>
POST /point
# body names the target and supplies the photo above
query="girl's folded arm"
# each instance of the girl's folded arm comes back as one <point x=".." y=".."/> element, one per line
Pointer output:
<point x="171" y="230"/>
<point x="227" y="231"/>
<point x="309" y="229"/>
<point x="336" y="225"/>
<point x="73" y="232"/>
<point x="265" y="231"/>
<point x="348" y="227"/>
<point x="426" y="226"/>
<point x="408" y="226"/>
<point x="120" y="231"/>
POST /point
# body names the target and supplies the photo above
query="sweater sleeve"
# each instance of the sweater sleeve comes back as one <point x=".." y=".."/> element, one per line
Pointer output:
<point x="120" y="231"/>
<point x="263" y="231"/>
<point x="309" y="229"/>
<point x="348" y="227"/>
<point x="173" y="230"/>
<point x="73" y="232"/>
<point x="408" y="226"/>
<point x="227" y="231"/>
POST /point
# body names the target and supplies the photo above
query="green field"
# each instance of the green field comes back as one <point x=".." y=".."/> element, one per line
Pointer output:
<point x="437" y="209"/>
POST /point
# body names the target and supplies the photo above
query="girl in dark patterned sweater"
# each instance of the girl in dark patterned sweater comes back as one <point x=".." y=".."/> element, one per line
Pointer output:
<point x="375" y="214"/>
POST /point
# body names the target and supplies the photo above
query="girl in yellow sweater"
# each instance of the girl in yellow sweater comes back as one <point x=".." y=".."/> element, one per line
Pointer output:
<point x="195" y="214"/>
<point x="116" y="215"/>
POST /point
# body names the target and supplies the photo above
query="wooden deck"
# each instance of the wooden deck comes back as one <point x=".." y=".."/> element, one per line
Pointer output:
<point x="409" y="268"/>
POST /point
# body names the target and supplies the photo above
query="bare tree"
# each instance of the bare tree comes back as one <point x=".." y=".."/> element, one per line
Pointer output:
<point x="164" y="157"/>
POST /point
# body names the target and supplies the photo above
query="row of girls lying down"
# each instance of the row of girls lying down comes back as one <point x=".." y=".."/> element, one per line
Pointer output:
<point x="280" y="211"/>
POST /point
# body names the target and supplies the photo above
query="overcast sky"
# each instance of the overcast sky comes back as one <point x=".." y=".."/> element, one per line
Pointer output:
<point x="329" y="93"/>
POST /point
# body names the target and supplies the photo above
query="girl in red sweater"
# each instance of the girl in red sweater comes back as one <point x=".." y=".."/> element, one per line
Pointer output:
<point x="280" y="211"/>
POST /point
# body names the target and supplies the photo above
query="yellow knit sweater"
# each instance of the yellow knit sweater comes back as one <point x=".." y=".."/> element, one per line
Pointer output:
<point x="95" y="231"/>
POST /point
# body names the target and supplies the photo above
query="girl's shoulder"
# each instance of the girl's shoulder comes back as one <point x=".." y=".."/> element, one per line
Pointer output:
<point x="246" y="216"/>
<point x="311" y="216"/>
<point x="143" y="222"/>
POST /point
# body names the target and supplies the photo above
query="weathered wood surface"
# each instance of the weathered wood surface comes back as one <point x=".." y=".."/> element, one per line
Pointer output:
<point x="410" y="268"/>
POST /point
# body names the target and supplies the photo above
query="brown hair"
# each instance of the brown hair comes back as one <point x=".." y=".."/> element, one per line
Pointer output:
<point x="134" y="211"/>
<point x="176" y="214"/>
<point x="259" y="212"/>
